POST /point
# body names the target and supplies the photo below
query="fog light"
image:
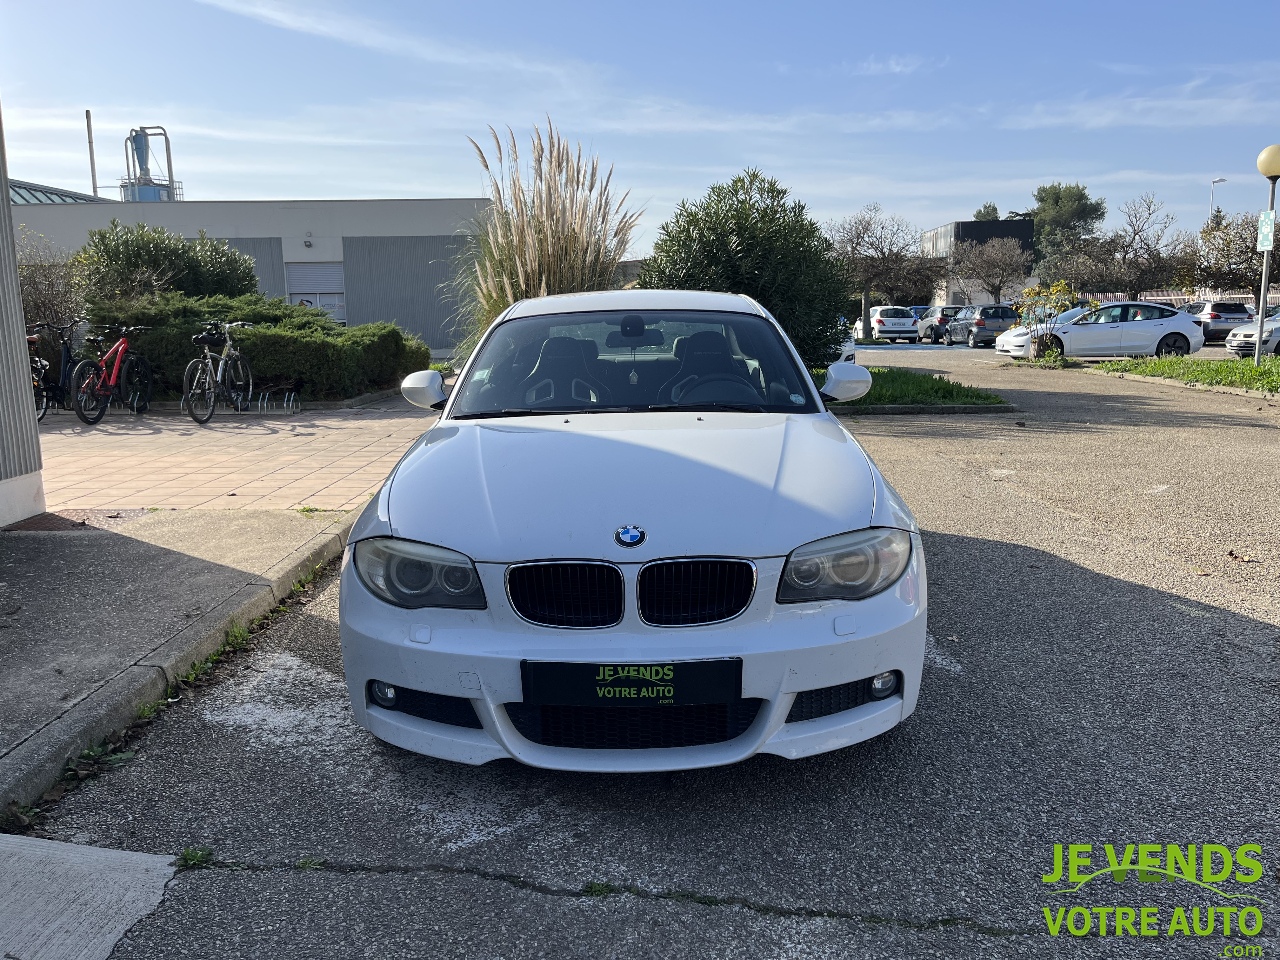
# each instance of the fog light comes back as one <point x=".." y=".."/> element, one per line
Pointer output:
<point x="384" y="695"/>
<point x="883" y="685"/>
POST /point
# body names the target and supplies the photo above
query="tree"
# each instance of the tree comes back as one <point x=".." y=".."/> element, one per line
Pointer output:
<point x="51" y="280"/>
<point x="122" y="262"/>
<point x="988" y="211"/>
<point x="748" y="236"/>
<point x="1228" y="253"/>
<point x="1065" y="215"/>
<point x="994" y="265"/>
<point x="1040" y="306"/>
<point x="1144" y="252"/>
<point x="561" y="232"/>
<point x="881" y="255"/>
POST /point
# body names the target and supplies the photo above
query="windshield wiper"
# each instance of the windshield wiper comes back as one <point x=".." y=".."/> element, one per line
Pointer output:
<point x="539" y="412"/>
<point x="703" y="407"/>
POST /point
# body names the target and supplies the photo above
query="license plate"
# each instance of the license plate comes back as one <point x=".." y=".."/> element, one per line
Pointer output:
<point x="631" y="684"/>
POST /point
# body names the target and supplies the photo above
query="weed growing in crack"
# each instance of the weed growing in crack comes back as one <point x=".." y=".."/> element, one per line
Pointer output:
<point x="310" y="863"/>
<point x="594" y="889"/>
<point x="194" y="858"/>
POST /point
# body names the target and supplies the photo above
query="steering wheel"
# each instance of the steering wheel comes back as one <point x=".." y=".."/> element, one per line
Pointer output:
<point x="681" y="393"/>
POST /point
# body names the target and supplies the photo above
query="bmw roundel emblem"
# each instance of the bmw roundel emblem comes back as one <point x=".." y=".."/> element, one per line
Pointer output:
<point x="629" y="536"/>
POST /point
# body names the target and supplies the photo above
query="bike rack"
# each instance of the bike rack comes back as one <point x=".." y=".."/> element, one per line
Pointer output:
<point x="287" y="402"/>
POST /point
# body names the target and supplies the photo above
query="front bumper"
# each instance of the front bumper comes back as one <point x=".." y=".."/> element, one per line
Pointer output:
<point x="785" y="649"/>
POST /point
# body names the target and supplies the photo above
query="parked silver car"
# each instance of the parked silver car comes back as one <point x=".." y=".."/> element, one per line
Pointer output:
<point x="934" y="322"/>
<point x="1217" y="318"/>
<point x="980" y="324"/>
<point x="1242" y="339"/>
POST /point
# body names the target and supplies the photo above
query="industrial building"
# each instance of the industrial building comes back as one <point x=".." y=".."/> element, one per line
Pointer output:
<point x="941" y="241"/>
<point x="363" y="261"/>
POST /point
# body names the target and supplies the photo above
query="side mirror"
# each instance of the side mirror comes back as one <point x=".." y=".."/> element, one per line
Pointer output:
<point x="846" y="381"/>
<point x="425" y="388"/>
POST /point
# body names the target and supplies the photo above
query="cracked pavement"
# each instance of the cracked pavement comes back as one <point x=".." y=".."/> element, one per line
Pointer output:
<point x="1084" y="683"/>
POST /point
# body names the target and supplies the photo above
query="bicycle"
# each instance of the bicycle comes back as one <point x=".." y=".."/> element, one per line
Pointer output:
<point x="206" y="382"/>
<point x="128" y="381"/>
<point x="39" y="369"/>
<point x="50" y="392"/>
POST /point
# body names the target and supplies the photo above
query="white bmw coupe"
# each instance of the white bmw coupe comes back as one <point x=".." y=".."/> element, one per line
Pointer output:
<point x="634" y="540"/>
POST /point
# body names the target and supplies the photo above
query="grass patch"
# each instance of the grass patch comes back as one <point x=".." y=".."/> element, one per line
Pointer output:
<point x="893" y="385"/>
<point x="1217" y="373"/>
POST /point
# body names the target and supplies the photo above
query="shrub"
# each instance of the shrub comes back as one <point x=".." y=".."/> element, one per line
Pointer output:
<point x="290" y="347"/>
<point x="123" y="262"/>
<point x="748" y="236"/>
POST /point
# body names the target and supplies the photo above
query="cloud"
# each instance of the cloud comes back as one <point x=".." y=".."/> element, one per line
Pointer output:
<point x="1173" y="110"/>
<point x="371" y="35"/>
<point x="875" y="66"/>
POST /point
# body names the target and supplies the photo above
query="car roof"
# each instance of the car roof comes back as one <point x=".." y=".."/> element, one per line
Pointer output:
<point x="635" y="300"/>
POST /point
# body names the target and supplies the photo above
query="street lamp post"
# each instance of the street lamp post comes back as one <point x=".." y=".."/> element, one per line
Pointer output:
<point x="1269" y="167"/>
<point x="1213" y="183"/>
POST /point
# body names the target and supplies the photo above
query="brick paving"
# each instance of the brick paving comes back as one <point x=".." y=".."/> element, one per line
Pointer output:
<point x="330" y="460"/>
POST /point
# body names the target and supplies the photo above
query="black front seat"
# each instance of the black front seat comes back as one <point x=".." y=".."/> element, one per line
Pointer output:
<point x="561" y="376"/>
<point x="706" y="354"/>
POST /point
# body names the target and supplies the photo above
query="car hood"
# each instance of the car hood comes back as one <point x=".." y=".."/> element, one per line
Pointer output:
<point x="554" y="487"/>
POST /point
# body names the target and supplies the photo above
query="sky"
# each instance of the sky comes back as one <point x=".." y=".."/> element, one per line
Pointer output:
<point x="929" y="109"/>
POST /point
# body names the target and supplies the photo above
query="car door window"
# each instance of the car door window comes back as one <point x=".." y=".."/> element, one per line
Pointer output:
<point x="1105" y="315"/>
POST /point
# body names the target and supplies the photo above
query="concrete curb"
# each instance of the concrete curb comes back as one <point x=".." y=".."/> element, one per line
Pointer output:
<point x="37" y="764"/>
<point x="889" y="409"/>
<point x="1203" y="387"/>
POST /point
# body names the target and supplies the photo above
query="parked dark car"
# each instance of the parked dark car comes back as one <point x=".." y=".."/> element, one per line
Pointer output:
<point x="934" y="323"/>
<point x="980" y="324"/>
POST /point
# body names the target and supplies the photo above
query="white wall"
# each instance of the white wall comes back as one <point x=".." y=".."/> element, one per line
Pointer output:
<point x="323" y="222"/>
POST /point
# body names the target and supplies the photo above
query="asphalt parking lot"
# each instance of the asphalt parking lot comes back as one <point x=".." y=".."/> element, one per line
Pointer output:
<point x="1104" y="668"/>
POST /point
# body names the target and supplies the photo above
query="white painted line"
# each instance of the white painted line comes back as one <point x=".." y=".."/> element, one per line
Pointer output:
<point x="939" y="659"/>
<point x="69" y="901"/>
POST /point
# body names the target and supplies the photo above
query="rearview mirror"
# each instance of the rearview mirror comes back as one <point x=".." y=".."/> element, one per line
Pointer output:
<point x="846" y="381"/>
<point x="425" y="388"/>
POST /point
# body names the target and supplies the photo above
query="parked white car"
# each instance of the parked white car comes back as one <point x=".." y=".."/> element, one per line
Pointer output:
<point x="1126" y="330"/>
<point x="1242" y="340"/>
<point x="893" y="324"/>
<point x="635" y="540"/>
<point x="1016" y="341"/>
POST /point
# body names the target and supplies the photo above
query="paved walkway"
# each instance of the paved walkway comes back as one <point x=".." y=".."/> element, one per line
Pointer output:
<point x="330" y="460"/>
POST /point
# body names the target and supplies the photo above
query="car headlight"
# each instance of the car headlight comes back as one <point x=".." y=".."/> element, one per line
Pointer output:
<point x="415" y="575"/>
<point x="850" y="566"/>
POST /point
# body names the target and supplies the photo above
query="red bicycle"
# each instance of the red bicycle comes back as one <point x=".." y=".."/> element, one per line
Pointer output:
<point x="129" y="380"/>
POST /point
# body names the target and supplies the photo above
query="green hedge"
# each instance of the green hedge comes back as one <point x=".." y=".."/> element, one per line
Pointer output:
<point x="290" y="347"/>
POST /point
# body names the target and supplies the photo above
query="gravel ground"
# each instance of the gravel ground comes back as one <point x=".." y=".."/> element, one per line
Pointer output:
<point x="1101" y="670"/>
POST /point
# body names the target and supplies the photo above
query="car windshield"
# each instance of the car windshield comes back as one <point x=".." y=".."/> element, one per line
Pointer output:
<point x="897" y="313"/>
<point x="616" y="361"/>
